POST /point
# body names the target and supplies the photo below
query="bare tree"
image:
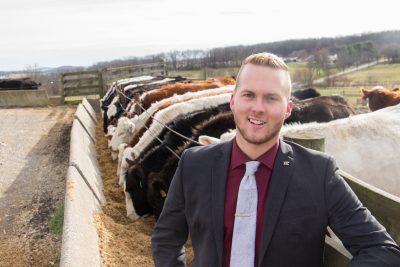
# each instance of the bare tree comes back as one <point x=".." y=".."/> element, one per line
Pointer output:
<point x="321" y="58"/>
<point x="173" y="57"/>
<point x="305" y="76"/>
<point x="32" y="71"/>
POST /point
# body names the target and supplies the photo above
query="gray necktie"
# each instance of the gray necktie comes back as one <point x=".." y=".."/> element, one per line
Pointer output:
<point x="244" y="229"/>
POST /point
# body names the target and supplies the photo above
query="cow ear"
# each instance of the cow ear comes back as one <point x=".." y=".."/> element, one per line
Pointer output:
<point x="208" y="140"/>
<point x="159" y="187"/>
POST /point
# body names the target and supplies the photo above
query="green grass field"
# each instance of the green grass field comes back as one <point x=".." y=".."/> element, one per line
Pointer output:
<point x="384" y="73"/>
<point x="200" y="74"/>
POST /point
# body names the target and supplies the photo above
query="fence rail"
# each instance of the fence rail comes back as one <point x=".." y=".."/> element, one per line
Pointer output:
<point x="96" y="82"/>
<point x="367" y="84"/>
<point x="384" y="206"/>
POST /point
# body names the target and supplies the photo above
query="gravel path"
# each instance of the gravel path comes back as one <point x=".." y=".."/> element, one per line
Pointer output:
<point x="34" y="154"/>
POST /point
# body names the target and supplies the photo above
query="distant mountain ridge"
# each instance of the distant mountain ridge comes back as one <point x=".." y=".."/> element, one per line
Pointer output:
<point x="42" y="70"/>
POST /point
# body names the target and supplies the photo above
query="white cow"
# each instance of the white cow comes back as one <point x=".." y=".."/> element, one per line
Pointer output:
<point x="366" y="146"/>
<point x="122" y="134"/>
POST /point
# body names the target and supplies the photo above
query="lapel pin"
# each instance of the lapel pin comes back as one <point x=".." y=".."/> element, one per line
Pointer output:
<point x="286" y="163"/>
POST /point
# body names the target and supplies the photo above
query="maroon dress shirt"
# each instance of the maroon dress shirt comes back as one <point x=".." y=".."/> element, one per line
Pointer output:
<point x="236" y="171"/>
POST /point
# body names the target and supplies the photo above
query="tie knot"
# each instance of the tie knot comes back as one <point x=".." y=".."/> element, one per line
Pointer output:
<point x="251" y="167"/>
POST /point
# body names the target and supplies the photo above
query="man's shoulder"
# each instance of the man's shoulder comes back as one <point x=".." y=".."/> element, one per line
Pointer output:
<point x="300" y="151"/>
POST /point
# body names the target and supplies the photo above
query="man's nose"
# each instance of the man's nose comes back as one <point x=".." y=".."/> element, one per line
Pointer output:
<point x="258" y="105"/>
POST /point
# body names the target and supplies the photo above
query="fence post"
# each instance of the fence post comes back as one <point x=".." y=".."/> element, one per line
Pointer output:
<point x="165" y="69"/>
<point x="101" y="89"/>
<point x="62" y="88"/>
<point x="204" y="73"/>
<point x="313" y="143"/>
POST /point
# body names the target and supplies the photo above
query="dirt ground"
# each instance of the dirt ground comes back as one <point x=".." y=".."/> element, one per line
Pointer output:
<point x="34" y="154"/>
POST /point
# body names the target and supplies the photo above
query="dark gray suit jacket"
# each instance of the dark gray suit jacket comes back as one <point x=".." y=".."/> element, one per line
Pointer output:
<point x="306" y="194"/>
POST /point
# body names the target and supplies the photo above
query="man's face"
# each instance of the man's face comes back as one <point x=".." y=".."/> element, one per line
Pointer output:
<point x="260" y="104"/>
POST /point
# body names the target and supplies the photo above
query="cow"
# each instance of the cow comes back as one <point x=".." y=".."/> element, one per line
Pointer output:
<point x="380" y="98"/>
<point x="305" y="93"/>
<point x="18" y="84"/>
<point x="159" y="181"/>
<point x="320" y="109"/>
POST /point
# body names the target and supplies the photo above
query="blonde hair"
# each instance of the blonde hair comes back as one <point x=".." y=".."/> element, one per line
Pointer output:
<point x="266" y="60"/>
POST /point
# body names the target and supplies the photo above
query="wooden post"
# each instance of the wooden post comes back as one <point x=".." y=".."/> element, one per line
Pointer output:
<point x="204" y="73"/>
<point x="101" y="89"/>
<point x="62" y="88"/>
<point x="317" y="143"/>
<point x="165" y="69"/>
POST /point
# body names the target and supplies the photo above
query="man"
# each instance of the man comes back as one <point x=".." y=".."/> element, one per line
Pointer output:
<point x="298" y="192"/>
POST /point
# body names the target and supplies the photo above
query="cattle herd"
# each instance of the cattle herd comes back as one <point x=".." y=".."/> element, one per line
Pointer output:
<point x="149" y="121"/>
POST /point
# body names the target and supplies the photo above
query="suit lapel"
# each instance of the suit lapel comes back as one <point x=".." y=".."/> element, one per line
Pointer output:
<point x="218" y="183"/>
<point x="280" y="178"/>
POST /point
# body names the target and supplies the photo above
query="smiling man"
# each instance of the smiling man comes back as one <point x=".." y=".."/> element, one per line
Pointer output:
<point x="260" y="201"/>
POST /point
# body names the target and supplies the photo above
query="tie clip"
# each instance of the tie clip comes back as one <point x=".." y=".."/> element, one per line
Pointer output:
<point x="242" y="215"/>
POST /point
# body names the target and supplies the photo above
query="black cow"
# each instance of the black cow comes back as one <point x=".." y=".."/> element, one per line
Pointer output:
<point x="159" y="181"/>
<point x="18" y="84"/>
<point x="305" y="93"/>
<point x="320" y="109"/>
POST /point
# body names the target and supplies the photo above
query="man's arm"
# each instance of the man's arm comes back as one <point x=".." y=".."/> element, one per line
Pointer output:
<point x="171" y="231"/>
<point x="365" y="238"/>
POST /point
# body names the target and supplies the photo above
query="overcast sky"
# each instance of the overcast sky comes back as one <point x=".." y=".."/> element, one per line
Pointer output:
<point x="52" y="33"/>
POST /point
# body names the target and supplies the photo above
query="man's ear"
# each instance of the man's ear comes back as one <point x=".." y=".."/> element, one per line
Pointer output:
<point x="289" y="109"/>
<point x="232" y="101"/>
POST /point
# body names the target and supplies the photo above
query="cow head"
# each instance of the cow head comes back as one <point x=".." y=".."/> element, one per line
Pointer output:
<point x="365" y="93"/>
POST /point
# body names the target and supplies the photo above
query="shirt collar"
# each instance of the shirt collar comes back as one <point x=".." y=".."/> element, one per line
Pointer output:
<point x="238" y="157"/>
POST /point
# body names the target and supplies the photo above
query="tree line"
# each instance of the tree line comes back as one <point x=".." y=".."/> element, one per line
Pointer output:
<point x="350" y="51"/>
